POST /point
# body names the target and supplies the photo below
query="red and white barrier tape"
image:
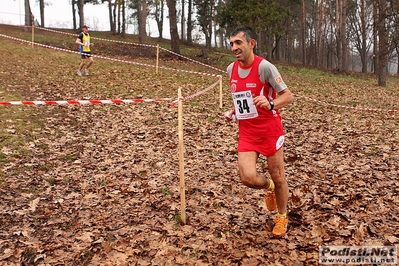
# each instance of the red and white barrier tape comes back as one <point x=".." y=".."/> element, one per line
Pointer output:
<point x="113" y="59"/>
<point x="95" y="38"/>
<point x="197" y="93"/>
<point x="347" y="107"/>
<point x="166" y="68"/>
<point x="107" y="101"/>
<point x="84" y="102"/>
<point x="137" y="44"/>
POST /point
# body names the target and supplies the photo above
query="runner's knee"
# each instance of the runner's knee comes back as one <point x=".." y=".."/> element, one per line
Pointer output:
<point x="278" y="176"/>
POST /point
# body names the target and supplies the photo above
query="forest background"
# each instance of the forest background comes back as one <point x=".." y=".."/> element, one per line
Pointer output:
<point x="341" y="35"/>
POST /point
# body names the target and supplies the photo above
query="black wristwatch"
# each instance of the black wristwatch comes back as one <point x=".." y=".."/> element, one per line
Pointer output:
<point x="271" y="105"/>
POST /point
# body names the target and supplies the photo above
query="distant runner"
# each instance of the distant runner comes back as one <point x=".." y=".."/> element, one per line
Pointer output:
<point x="85" y="53"/>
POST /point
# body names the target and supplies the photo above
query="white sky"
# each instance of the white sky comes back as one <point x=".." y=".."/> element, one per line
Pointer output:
<point x="59" y="15"/>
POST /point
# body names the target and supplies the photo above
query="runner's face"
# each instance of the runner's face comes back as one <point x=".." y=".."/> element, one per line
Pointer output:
<point x="242" y="49"/>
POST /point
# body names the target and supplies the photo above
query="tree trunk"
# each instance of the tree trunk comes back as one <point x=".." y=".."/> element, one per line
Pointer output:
<point x="174" y="35"/>
<point x="159" y="15"/>
<point x="124" y="17"/>
<point x="41" y="4"/>
<point x="303" y="31"/>
<point x="375" y="37"/>
<point x="119" y="16"/>
<point x="74" y="14"/>
<point x="81" y="13"/>
<point x="382" y="44"/>
<point x="183" y="20"/>
<point x="344" y="42"/>
<point x="189" y="22"/>
<point x="397" y="63"/>
<point x="330" y="44"/>
<point x="338" y="22"/>
<point x="290" y="44"/>
<point x="142" y="19"/>
<point x="363" y="49"/>
<point x="110" y="15"/>
<point x="28" y="14"/>
<point x="114" y="15"/>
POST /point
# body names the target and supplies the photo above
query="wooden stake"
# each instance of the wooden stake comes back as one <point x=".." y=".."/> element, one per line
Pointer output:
<point x="157" y="59"/>
<point x="181" y="160"/>
<point x="33" y="32"/>
<point x="220" y="94"/>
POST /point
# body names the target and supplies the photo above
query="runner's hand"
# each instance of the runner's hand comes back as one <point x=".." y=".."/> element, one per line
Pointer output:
<point x="230" y="116"/>
<point x="262" y="102"/>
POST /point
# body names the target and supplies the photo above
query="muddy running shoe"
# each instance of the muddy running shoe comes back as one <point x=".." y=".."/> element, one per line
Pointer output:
<point x="280" y="227"/>
<point x="79" y="73"/>
<point x="271" y="202"/>
<point x="86" y="71"/>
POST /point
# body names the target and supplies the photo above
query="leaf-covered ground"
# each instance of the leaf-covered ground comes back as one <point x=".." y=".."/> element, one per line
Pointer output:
<point x="99" y="184"/>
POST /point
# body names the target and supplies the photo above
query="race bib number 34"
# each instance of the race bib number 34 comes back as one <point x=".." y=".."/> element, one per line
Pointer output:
<point x="244" y="105"/>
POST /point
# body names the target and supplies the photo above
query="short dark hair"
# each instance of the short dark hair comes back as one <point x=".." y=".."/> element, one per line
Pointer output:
<point x="249" y="33"/>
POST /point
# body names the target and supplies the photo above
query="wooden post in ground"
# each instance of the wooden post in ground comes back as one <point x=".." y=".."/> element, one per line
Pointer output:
<point x="157" y="63"/>
<point x="220" y="93"/>
<point x="33" y="32"/>
<point x="181" y="160"/>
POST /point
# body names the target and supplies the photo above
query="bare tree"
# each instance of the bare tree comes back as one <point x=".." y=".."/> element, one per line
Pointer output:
<point x="159" y="16"/>
<point x="41" y="5"/>
<point x="189" y="22"/>
<point x="174" y="35"/>
<point x="81" y="13"/>
<point x="318" y="32"/>
<point x="74" y="3"/>
<point x="340" y="33"/>
<point x="183" y="20"/>
<point x="359" y="30"/>
<point x="303" y="31"/>
<point x="344" y="40"/>
<point x="28" y="14"/>
<point x="204" y="16"/>
<point x="122" y="3"/>
<point x="112" y="22"/>
<point x="382" y="43"/>
<point x="142" y="19"/>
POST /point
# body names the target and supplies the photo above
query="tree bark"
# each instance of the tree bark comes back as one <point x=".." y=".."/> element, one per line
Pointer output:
<point x="74" y="14"/>
<point x="363" y="49"/>
<point x="41" y="4"/>
<point x="183" y="20"/>
<point x="28" y="14"/>
<point x="375" y="37"/>
<point x="81" y="13"/>
<point x="174" y="35"/>
<point x="142" y="19"/>
<point x="344" y="42"/>
<point x="124" y="18"/>
<point x="382" y="44"/>
<point x="110" y="15"/>
<point x="189" y="22"/>
<point x="159" y="15"/>
<point x="303" y="31"/>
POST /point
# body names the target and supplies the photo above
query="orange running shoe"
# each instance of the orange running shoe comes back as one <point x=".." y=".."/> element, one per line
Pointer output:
<point x="271" y="202"/>
<point x="280" y="227"/>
